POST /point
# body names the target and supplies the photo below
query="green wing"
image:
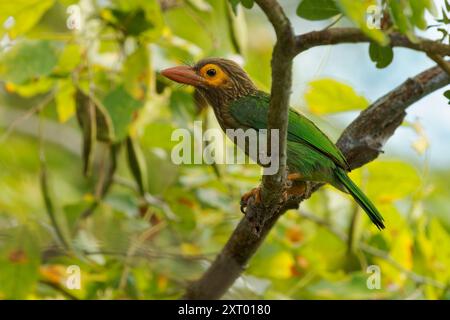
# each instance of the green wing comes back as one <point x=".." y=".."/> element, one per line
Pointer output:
<point x="251" y="111"/>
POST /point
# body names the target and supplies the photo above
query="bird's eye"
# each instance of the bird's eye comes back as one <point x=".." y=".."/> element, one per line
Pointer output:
<point x="211" y="72"/>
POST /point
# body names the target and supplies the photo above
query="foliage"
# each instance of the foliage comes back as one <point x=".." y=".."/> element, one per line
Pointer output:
<point x="87" y="180"/>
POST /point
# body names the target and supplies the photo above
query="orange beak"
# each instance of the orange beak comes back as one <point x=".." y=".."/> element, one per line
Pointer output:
<point x="184" y="75"/>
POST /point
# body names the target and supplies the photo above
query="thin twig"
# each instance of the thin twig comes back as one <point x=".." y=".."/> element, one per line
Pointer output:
<point x="36" y="109"/>
<point x="445" y="65"/>
<point x="352" y="35"/>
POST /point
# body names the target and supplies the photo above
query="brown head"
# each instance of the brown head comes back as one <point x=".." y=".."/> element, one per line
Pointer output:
<point x="220" y="81"/>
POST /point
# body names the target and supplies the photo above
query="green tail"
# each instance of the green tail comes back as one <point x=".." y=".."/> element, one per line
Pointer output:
<point x="360" y="198"/>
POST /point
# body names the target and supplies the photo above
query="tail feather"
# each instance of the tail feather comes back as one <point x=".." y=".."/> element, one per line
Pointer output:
<point x="361" y="198"/>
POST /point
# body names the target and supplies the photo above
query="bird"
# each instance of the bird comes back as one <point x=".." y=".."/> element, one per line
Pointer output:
<point x="239" y="104"/>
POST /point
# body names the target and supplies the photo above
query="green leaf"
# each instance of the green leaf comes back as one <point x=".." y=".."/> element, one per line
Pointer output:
<point x="137" y="165"/>
<point x="382" y="56"/>
<point x="27" y="60"/>
<point x="418" y="8"/>
<point x="121" y="106"/>
<point x="69" y="58"/>
<point x="130" y="23"/>
<point x="397" y="10"/>
<point x="317" y="9"/>
<point x="237" y="29"/>
<point x="447" y="95"/>
<point x="330" y="96"/>
<point x="19" y="264"/>
<point x="26" y="14"/>
<point x="136" y="73"/>
<point x="245" y="3"/>
<point x="86" y="118"/>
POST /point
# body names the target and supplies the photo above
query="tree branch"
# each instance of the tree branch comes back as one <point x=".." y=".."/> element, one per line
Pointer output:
<point x="352" y="35"/>
<point x="282" y="56"/>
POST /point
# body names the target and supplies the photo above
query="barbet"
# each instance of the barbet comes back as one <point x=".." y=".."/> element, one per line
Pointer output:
<point x="238" y="104"/>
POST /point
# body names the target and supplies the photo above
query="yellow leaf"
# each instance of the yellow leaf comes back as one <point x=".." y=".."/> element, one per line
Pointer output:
<point x="330" y="96"/>
<point x="280" y="265"/>
<point x="388" y="181"/>
<point x="26" y="14"/>
<point x="54" y="273"/>
<point x="65" y="100"/>
<point x="190" y="249"/>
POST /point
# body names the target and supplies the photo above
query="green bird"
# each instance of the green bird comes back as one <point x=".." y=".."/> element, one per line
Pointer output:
<point x="238" y="104"/>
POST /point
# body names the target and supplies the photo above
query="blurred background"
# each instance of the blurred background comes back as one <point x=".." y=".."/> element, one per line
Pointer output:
<point x="86" y="178"/>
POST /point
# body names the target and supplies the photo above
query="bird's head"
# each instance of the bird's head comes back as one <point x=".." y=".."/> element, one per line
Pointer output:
<point x="219" y="80"/>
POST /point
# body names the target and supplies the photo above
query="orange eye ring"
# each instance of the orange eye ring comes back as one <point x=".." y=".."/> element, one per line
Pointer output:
<point x="213" y="74"/>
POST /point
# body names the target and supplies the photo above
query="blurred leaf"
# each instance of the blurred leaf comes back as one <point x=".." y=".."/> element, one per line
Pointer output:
<point x="65" y="100"/>
<point x="86" y="242"/>
<point x="19" y="264"/>
<point x="85" y="109"/>
<point x="69" y="58"/>
<point x="356" y="11"/>
<point x="182" y="106"/>
<point x="245" y="3"/>
<point x="121" y="107"/>
<point x="273" y="262"/>
<point x="390" y="180"/>
<point x="136" y="163"/>
<point x="162" y="173"/>
<point x="27" y="60"/>
<point x="398" y="13"/>
<point x="447" y="95"/>
<point x="131" y="23"/>
<point x="201" y="5"/>
<point x="26" y="14"/>
<point x="418" y="8"/>
<point x="317" y="9"/>
<point x="136" y="73"/>
<point x="31" y="87"/>
<point x="330" y="96"/>
<point x="382" y="56"/>
<point x="354" y="286"/>
<point x="421" y="144"/>
<point x="402" y="252"/>
<point x="237" y="29"/>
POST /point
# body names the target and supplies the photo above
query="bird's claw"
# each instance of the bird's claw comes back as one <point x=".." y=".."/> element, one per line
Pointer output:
<point x="255" y="193"/>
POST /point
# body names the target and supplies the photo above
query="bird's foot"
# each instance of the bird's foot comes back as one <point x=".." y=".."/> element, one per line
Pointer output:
<point x="296" y="190"/>
<point x="295" y="187"/>
<point x="255" y="193"/>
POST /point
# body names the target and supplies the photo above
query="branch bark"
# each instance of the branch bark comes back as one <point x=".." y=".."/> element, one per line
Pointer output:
<point x="352" y="35"/>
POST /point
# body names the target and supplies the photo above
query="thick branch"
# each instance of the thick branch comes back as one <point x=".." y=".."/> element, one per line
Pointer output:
<point x="272" y="185"/>
<point x="361" y="142"/>
<point x="352" y="35"/>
